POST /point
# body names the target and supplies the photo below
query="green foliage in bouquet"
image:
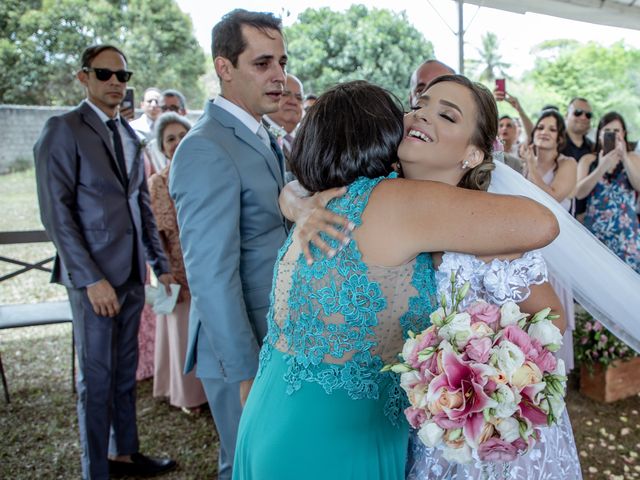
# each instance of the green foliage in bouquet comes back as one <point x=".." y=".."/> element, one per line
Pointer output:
<point x="595" y="344"/>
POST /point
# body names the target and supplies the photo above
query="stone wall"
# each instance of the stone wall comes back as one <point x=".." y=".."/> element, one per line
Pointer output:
<point x="20" y="127"/>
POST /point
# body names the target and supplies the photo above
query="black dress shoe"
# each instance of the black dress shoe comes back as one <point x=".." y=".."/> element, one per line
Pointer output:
<point x="141" y="466"/>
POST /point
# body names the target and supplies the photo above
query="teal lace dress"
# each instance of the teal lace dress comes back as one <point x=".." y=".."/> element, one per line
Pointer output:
<point x="319" y="407"/>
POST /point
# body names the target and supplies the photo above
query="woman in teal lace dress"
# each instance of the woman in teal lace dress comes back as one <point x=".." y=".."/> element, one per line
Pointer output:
<point x="610" y="182"/>
<point x="320" y="408"/>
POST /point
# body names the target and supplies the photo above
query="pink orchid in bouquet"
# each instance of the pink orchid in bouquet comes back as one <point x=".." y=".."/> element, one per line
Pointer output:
<point x="481" y="381"/>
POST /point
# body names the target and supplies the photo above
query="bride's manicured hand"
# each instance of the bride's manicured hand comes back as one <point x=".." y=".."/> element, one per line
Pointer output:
<point x="314" y="218"/>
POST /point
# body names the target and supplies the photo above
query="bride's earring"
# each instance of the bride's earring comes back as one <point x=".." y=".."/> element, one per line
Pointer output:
<point x="465" y="164"/>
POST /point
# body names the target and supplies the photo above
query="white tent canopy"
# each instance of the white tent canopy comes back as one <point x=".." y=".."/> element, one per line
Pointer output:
<point x="615" y="13"/>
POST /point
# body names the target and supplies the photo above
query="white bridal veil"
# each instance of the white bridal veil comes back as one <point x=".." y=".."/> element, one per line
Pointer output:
<point x="602" y="283"/>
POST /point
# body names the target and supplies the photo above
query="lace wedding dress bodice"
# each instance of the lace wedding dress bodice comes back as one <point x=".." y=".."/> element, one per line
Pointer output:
<point x="555" y="456"/>
<point x="496" y="282"/>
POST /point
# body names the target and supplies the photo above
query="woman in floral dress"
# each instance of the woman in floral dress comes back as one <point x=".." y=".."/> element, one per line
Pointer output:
<point x="611" y="182"/>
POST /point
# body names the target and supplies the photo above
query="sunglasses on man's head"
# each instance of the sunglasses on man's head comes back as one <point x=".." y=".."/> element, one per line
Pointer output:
<point x="578" y="112"/>
<point x="104" y="74"/>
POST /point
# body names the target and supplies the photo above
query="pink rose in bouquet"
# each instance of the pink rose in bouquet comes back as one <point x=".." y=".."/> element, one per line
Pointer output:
<point x="497" y="450"/>
<point x="484" y="312"/>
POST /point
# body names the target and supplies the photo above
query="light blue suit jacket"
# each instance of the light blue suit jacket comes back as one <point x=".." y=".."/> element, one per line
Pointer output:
<point x="225" y="184"/>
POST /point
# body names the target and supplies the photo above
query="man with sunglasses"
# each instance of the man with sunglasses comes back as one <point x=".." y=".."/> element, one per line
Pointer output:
<point x="94" y="204"/>
<point x="150" y="106"/>
<point x="578" y="120"/>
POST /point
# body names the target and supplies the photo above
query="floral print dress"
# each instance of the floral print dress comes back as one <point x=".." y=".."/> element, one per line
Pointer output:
<point x="612" y="216"/>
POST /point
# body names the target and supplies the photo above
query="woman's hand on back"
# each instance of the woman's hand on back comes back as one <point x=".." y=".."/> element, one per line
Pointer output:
<point x="311" y="217"/>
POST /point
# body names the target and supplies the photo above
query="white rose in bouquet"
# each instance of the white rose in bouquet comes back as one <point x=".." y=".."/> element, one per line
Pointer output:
<point x="507" y="401"/>
<point x="508" y="358"/>
<point x="509" y="429"/>
<point x="547" y="334"/>
<point x="430" y="434"/>
<point x="457" y="329"/>
<point x="408" y="380"/>
<point x="408" y="347"/>
<point x="510" y="314"/>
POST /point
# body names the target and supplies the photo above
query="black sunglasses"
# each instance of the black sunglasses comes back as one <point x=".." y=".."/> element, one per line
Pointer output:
<point x="578" y="111"/>
<point x="170" y="108"/>
<point x="104" y="74"/>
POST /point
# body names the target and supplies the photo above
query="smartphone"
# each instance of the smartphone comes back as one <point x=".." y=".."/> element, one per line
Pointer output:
<point x="501" y="85"/>
<point x="608" y="142"/>
<point x="127" y="101"/>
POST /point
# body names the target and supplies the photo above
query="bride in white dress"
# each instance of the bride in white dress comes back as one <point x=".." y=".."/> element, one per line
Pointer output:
<point x="449" y="138"/>
<point x="555" y="455"/>
<point x="435" y="148"/>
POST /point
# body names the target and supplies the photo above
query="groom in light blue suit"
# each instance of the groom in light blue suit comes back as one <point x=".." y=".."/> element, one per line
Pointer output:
<point x="225" y="179"/>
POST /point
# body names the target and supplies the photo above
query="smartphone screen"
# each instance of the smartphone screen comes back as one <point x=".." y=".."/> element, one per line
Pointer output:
<point x="127" y="101"/>
<point x="501" y="84"/>
<point x="609" y="142"/>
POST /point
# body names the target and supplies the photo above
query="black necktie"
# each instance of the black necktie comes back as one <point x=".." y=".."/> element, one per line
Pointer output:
<point x="117" y="146"/>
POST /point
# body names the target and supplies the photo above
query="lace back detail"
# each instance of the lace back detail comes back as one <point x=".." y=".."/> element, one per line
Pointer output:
<point x="337" y="320"/>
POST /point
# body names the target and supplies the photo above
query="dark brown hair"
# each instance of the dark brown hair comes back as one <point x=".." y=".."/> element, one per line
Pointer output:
<point x="606" y="119"/>
<point x="479" y="177"/>
<point x="94" y="50"/>
<point x="226" y="37"/>
<point x="560" y="125"/>
<point x="352" y="131"/>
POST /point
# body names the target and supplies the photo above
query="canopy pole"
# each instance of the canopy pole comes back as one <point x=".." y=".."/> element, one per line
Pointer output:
<point x="460" y="38"/>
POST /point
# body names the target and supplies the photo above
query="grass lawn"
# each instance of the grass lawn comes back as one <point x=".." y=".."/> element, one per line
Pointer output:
<point x="39" y="431"/>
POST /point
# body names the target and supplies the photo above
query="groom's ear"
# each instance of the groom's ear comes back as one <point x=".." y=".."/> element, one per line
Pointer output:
<point x="223" y="68"/>
<point x="474" y="156"/>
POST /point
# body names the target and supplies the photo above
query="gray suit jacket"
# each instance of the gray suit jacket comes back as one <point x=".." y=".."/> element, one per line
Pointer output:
<point x="94" y="223"/>
<point x="225" y="183"/>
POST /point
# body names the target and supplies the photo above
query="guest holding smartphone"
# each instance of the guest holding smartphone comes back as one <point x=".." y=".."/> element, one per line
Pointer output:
<point x="500" y="93"/>
<point x="609" y="180"/>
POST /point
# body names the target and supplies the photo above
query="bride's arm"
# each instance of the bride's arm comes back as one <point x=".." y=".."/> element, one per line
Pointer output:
<point x="541" y="297"/>
<point x="406" y="217"/>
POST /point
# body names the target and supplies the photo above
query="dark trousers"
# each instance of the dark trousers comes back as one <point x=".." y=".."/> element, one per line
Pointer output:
<point x="108" y="357"/>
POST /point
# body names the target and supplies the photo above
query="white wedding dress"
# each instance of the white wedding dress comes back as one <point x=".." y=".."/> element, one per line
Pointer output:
<point x="555" y="455"/>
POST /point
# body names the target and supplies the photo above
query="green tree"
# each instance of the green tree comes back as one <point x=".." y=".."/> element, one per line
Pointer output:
<point x="42" y="42"/>
<point x="609" y="77"/>
<point x="490" y="64"/>
<point x="380" y="46"/>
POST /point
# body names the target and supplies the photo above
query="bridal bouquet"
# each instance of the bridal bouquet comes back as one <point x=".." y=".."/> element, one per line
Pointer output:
<point x="481" y="381"/>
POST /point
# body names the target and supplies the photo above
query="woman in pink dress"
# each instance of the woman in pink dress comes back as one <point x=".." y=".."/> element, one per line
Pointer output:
<point x="184" y="391"/>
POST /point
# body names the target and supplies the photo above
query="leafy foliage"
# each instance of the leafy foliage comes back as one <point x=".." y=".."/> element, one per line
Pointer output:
<point x="42" y="42"/>
<point x="609" y="77"/>
<point x="490" y="65"/>
<point x="380" y="46"/>
<point x="595" y="344"/>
